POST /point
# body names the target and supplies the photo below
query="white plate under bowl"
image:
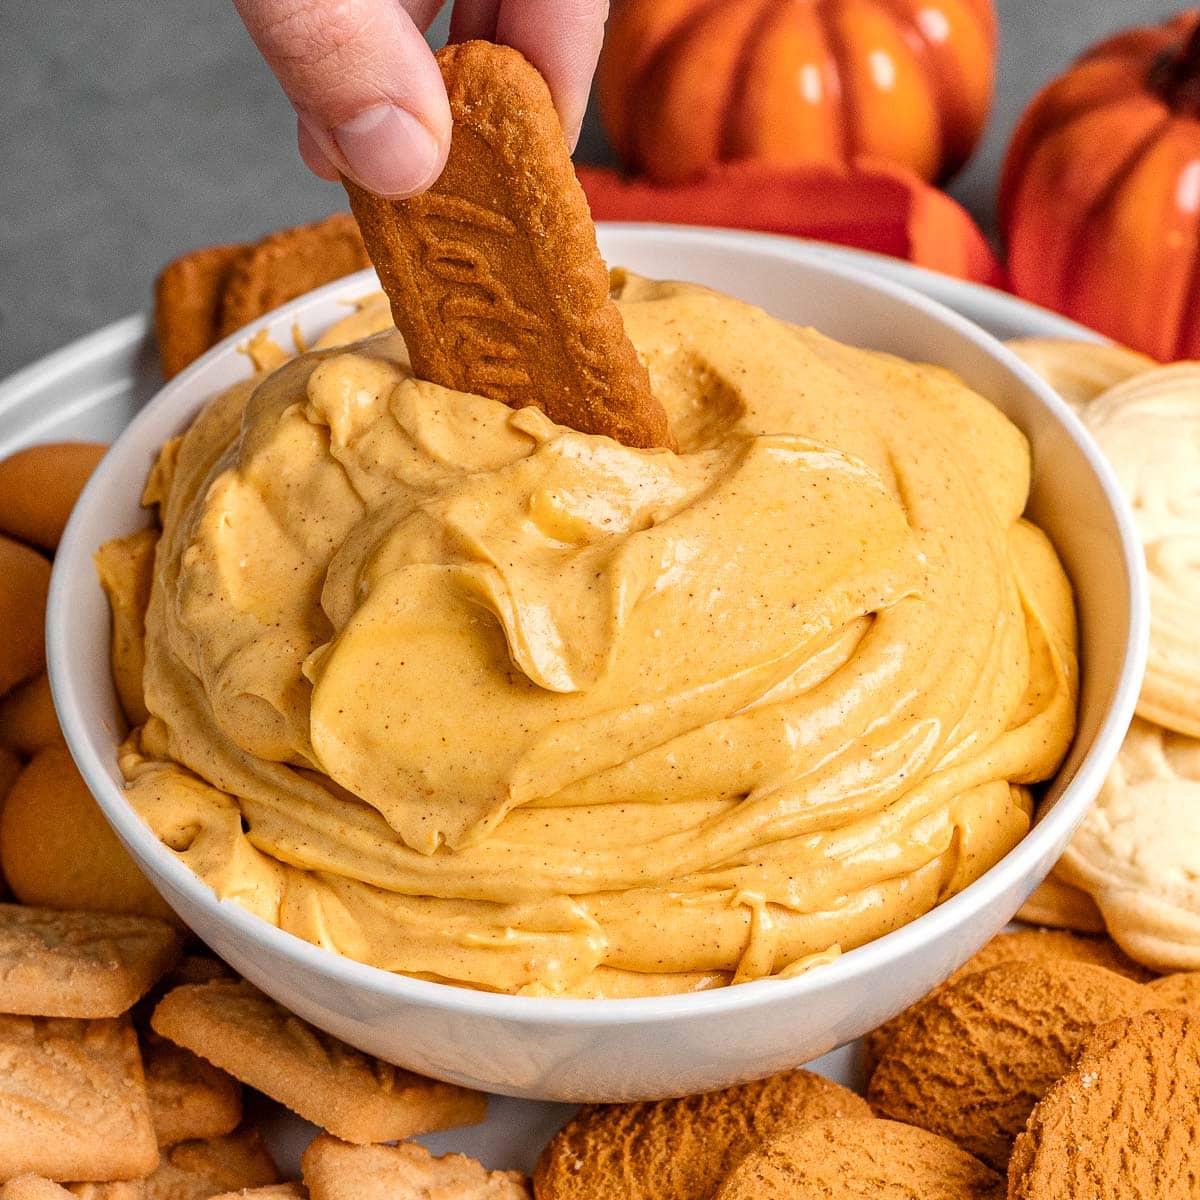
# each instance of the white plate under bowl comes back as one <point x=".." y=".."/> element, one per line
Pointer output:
<point x="93" y="387"/>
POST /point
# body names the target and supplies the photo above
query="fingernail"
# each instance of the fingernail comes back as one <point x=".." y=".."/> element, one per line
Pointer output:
<point x="388" y="150"/>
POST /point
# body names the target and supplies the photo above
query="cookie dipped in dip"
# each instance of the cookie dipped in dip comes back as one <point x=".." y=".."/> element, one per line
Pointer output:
<point x="464" y="694"/>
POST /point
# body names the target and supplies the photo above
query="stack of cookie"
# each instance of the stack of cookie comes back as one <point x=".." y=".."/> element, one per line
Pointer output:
<point x="1133" y="867"/>
<point x="207" y="294"/>
<point x="124" y="1046"/>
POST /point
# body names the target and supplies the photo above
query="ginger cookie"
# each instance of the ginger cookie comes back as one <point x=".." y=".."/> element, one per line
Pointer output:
<point x="28" y="722"/>
<point x="334" y="1170"/>
<point x="1061" y="906"/>
<point x="1123" y="1123"/>
<point x="359" y="1098"/>
<point x="1080" y="371"/>
<point x="48" y="816"/>
<point x="1149" y="430"/>
<point x="1134" y="851"/>
<point x="1021" y="945"/>
<point x="39" y="486"/>
<point x="285" y="265"/>
<point x="494" y="275"/>
<point x="1181" y="990"/>
<point x="187" y="304"/>
<point x="860" y="1158"/>
<point x="207" y="294"/>
<point x="10" y="768"/>
<point x="680" y="1149"/>
<point x="973" y="1059"/>
<point x="189" y="1098"/>
<point x="72" y="1100"/>
<point x="79" y="964"/>
<point x="24" y="584"/>
<point x="126" y="570"/>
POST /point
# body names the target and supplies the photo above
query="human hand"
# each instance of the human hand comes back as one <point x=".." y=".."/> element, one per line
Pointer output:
<point x="368" y="94"/>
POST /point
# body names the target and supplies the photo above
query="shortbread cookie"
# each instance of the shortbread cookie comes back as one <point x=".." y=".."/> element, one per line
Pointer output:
<point x="1123" y="1123"/>
<point x="1181" y="990"/>
<point x="39" y="486"/>
<point x="199" y="968"/>
<point x="1149" y="430"/>
<point x="189" y="1098"/>
<point x="273" y="1191"/>
<point x="24" y="584"/>
<point x="860" y="1159"/>
<point x="79" y="964"/>
<point x="223" y="1166"/>
<point x="494" y="275"/>
<point x="126" y="570"/>
<point x="187" y="304"/>
<point x="122" y="1189"/>
<point x="357" y="1097"/>
<point x="1135" y="850"/>
<point x="49" y="816"/>
<point x="32" y="1187"/>
<point x="1080" y="371"/>
<point x="72" y="1100"/>
<point x="334" y="1170"/>
<point x="1061" y="906"/>
<point x="1022" y="945"/>
<point x="237" y="1160"/>
<point x="28" y="722"/>
<point x="287" y="264"/>
<point x="680" y="1149"/>
<point x="973" y="1059"/>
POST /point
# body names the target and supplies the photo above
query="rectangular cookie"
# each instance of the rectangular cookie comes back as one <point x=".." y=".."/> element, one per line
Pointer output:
<point x="275" y="1191"/>
<point x="359" y="1098"/>
<point x="286" y="264"/>
<point x="79" y="964"/>
<point x="494" y="275"/>
<point x="32" y="1187"/>
<point x="125" y="1189"/>
<point x="187" y="304"/>
<point x="235" y="1161"/>
<point x="335" y="1171"/>
<point x="189" y="1098"/>
<point x="73" y="1100"/>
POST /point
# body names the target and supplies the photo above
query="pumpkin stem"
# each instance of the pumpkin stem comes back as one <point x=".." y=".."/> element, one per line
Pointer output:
<point x="1175" y="76"/>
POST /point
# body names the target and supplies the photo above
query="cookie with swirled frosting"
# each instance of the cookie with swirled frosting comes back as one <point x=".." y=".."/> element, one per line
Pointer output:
<point x="1149" y="429"/>
<point x="1079" y="371"/>
<point x="1135" y="852"/>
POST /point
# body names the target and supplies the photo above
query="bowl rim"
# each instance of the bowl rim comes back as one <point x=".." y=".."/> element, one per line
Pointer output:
<point x="861" y="961"/>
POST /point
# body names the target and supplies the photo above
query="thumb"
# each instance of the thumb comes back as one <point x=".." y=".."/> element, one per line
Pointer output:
<point x="365" y="87"/>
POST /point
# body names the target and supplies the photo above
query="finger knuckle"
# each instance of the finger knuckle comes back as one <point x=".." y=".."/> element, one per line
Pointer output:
<point x="309" y="35"/>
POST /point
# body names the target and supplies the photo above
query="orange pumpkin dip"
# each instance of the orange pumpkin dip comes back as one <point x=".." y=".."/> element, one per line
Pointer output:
<point x="467" y="695"/>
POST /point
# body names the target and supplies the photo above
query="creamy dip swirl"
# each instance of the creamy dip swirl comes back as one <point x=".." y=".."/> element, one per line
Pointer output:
<point x="464" y="694"/>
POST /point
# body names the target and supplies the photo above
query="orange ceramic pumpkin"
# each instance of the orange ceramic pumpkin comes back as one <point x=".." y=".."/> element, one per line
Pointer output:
<point x="687" y="83"/>
<point x="1100" y="198"/>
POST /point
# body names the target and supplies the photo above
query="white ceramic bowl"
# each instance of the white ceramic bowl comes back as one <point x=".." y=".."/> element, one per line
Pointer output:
<point x="643" y="1048"/>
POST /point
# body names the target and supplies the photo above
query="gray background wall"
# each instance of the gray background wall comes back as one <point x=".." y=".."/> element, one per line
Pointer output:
<point x="132" y="130"/>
